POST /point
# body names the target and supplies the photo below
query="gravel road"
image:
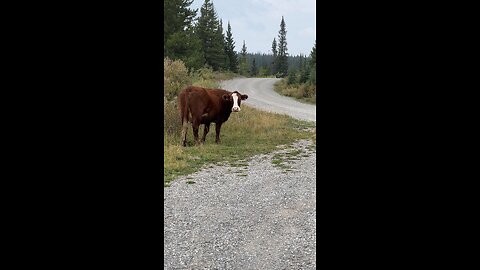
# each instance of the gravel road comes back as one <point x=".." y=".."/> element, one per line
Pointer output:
<point x="255" y="215"/>
<point x="261" y="95"/>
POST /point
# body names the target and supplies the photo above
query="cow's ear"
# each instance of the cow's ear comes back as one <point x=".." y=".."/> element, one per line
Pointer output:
<point x="226" y="97"/>
<point x="244" y="97"/>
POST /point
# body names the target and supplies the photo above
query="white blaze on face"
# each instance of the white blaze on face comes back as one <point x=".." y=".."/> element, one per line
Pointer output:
<point x="235" y="107"/>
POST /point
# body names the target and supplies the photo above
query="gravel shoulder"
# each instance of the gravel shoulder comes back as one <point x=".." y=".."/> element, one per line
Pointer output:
<point x="263" y="220"/>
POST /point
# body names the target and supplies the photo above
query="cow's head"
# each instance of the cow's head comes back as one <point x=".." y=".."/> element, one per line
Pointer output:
<point x="235" y="98"/>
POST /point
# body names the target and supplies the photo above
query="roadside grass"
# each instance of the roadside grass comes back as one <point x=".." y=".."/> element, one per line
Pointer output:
<point x="247" y="133"/>
<point x="301" y="92"/>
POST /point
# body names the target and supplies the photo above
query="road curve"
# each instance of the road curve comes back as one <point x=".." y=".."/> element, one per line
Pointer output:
<point x="262" y="96"/>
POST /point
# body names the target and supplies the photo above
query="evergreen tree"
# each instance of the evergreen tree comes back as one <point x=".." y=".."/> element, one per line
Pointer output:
<point x="304" y="70"/>
<point x="180" y="42"/>
<point x="243" y="61"/>
<point x="312" y="78"/>
<point x="210" y="33"/>
<point x="274" y="51"/>
<point x="313" y="55"/>
<point x="177" y="16"/>
<point x="220" y="41"/>
<point x="232" y="59"/>
<point x="282" y="62"/>
<point x="253" y="69"/>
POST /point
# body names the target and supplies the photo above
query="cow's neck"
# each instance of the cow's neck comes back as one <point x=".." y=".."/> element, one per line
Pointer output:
<point x="226" y="113"/>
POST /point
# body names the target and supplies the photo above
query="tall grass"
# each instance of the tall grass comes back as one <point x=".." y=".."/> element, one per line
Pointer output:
<point x="303" y="92"/>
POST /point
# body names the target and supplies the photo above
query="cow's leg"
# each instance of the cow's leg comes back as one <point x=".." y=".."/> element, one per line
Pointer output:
<point x="195" y="126"/>
<point x="184" y="132"/>
<point x="218" y="126"/>
<point x="205" y="131"/>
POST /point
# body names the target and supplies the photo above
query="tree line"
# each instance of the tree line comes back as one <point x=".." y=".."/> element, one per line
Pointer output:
<point x="197" y="38"/>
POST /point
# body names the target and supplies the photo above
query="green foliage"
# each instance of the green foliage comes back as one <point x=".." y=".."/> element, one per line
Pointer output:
<point x="243" y="60"/>
<point x="178" y="18"/>
<point x="210" y="33"/>
<point x="313" y="55"/>
<point x="253" y="69"/>
<point x="263" y="71"/>
<point x="232" y="59"/>
<point x="304" y="92"/>
<point x="175" y="78"/>
<point x="204" y="77"/>
<point x="281" y="61"/>
<point x="313" y="76"/>
<point x="273" y="64"/>
<point x="187" y="47"/>
<point x="172" y="123"/>
<point x="292" y="77"/>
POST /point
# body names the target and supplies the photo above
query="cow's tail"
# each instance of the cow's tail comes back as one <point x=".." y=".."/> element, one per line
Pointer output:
<point x="184" y="114"/>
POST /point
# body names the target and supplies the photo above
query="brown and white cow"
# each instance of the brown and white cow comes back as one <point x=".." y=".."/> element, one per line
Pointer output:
<point x="203" y="106"/>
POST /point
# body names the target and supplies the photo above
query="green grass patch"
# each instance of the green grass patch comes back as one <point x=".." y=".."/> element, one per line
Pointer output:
<point x="245" y="134"/>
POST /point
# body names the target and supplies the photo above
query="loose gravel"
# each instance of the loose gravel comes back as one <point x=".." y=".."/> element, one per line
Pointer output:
<point x="259" y="216"/>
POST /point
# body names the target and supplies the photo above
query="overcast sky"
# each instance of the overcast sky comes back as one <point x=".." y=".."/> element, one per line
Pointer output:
<point x="258" y="22"/>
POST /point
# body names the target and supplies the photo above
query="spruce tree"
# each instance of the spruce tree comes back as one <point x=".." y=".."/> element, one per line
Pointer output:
<point x="274" y="52"/>
<point x="180" y="41"/>
<point x="253" y="69"/>
<point x="210" y="33"/>
<point x="282" y="58"/>
<point x="232" y="59"/>
<point x="312" y="78"/>
<point x="221" y="58"/>
<point x="243" y="61"/>
<point x="313" y="54"/>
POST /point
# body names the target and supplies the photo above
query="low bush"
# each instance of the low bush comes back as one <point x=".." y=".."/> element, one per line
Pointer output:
<point x="175" y="78"/>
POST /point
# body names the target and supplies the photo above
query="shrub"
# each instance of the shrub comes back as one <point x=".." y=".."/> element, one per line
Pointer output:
<point x="292" y="77"/>
<point x="175" y="78"/>
<point x="172" y="123"/>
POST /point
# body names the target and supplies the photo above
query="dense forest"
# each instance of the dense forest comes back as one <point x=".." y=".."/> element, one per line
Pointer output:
<point x="197" y="38"/>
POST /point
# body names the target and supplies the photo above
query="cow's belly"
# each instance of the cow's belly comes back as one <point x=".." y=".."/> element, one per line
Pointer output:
<point x="205" y="119"/>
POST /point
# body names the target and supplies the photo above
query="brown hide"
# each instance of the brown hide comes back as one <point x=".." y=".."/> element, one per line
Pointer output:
<point x="203" y="106"/>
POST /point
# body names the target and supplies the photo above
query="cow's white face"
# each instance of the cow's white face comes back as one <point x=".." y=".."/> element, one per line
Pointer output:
<point x="235" y="98"/>
<point x="236" y="107"/>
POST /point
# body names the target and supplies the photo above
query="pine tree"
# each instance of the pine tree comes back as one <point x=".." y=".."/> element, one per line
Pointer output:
<point x="282" y="58"/>
<point x="180" y="41"/>
<point x="274" y="51"/>
<point x="304" y="70"/>
<point x="253" y="69"/>
<point x="312" y="78"/>
<point x="232" y="59"/>
<point x="177" y="16"/>
<point x="243" y="60"/>
<point x="313" y="55"/>
<point x="210" y="33"/>
<point x="221" y="58"/>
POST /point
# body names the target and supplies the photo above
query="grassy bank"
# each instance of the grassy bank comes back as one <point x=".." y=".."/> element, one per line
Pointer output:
<point x="302" y="92"/>
<point x="245" y="134"/>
